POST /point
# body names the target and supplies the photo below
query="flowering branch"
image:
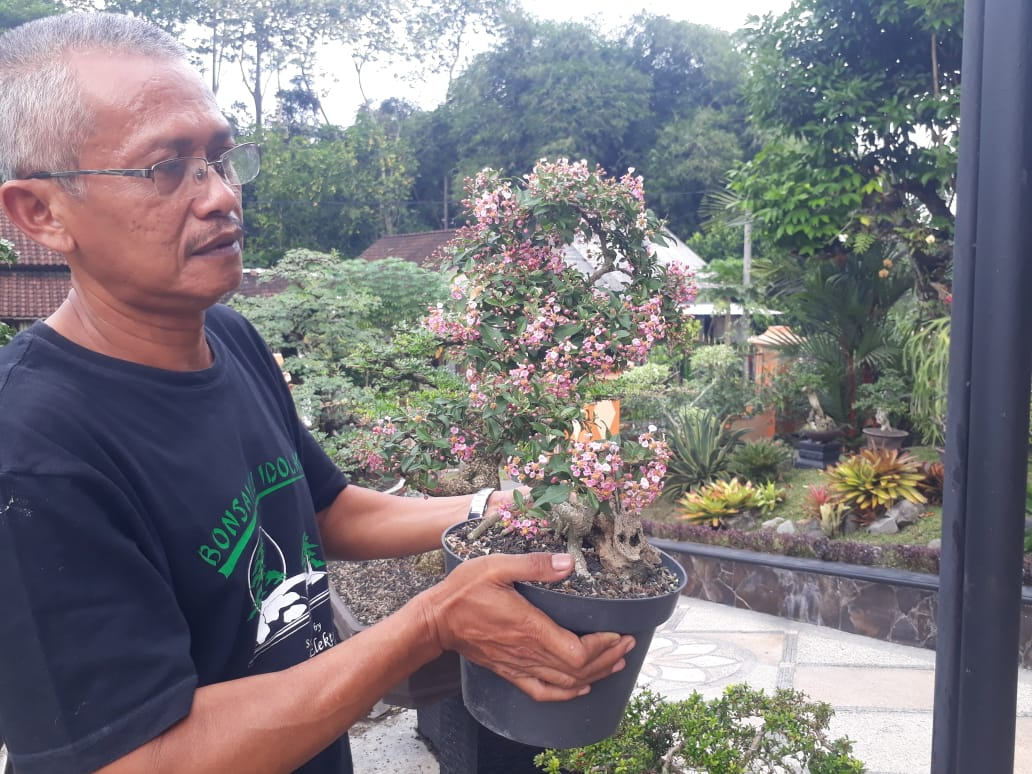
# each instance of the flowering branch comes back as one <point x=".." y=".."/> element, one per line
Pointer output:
<point x="532" y="332"/>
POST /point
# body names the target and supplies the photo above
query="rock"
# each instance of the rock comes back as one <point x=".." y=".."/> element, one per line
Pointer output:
<point x="786" y="528"/>
<point x="745" y="520"/>
<point x="772" y="524"/>
<point x="904" y="513"/>
<point x="935" y="543"/>
<point x="884" y="526"/>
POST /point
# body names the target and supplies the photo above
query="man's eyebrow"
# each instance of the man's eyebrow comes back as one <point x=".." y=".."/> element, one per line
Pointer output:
<point x="183" y="146"/>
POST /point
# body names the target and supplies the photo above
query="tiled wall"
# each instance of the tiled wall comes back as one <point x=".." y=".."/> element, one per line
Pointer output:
<point x="890" y="605"/>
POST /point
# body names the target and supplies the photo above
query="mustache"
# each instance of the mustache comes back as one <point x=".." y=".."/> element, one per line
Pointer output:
<point x="218" y="228"/>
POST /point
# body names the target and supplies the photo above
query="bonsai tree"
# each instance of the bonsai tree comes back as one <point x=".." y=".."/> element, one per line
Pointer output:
<point x="884" y="401"/>
<point x="744" y="730"/>
<point x="534" y="332"/>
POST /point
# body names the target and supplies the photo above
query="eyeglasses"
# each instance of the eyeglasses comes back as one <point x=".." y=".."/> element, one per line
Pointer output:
<point x="184" y="177"/>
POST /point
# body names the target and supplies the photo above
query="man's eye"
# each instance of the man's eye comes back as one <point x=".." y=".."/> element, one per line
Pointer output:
<point x="172" y="169"/>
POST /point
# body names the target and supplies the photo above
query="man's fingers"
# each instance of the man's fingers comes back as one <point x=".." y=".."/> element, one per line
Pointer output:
<point x="509" y="568"/>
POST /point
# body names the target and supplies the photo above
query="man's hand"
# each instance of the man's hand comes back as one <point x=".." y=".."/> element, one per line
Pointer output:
<point x="477" y="612"/>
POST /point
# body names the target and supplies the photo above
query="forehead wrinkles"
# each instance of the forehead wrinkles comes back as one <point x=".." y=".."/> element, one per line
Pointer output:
<point x="162" y="104"/>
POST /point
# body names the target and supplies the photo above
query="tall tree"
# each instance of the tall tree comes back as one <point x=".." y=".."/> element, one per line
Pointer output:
<point x="690" y="67"/>
<point x="860" y="103"/>
<point x="690" y="158"/>
<point x="15" y="12"/>
<point x="327" y="190"/>
<point x="547" y="89"/>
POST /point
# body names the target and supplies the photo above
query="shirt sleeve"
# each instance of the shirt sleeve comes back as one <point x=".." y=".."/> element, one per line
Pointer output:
<point x="96" y="654"/>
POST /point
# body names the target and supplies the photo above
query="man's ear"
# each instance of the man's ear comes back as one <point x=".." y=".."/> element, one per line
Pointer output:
<point x="34" y="206"/>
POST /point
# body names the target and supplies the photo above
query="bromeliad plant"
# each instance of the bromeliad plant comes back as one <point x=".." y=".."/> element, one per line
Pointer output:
<point x="874" y="479"/>
<point x="716" y="501"/>
<point x="533" y="335"/>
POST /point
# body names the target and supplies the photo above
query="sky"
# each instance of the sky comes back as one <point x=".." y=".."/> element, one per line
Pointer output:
<point x="380" y="84"/>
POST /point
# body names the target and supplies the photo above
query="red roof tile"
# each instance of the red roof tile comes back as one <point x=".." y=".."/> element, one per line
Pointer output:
<point x="418" y="248"/>
<point x="254" y="284"/>
<point x="36" y="284"/>
<point x="32" y="295"/>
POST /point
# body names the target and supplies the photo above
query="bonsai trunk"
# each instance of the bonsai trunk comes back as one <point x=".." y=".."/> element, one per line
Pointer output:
<point x="618" y="538"/>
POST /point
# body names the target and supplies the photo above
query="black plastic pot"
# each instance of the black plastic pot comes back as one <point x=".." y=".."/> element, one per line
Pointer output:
<point x="503" y="708"/>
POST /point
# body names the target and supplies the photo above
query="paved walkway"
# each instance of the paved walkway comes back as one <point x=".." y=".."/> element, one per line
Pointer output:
<point x="882" y="693"/>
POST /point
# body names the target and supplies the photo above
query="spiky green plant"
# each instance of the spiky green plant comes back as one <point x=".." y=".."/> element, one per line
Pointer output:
<point x="874" y="479"/>
<point x="718" y="499"/>
<point x="760" y="461"/>
<point x="700" y="447"/>
<point x="769" y="496"/>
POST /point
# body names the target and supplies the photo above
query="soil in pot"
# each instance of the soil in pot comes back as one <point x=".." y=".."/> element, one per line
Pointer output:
<point x="367" y="592"/>
<point x="656" y="582"/>
<point x="628" y="606"/>
<point x="374" y="589"/>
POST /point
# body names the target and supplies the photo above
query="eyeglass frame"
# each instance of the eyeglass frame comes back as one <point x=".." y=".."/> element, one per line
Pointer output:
<point x="148" y="172"/>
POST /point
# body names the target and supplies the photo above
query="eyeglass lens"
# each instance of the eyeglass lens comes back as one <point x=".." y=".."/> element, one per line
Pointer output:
<point x="183" y="176"/>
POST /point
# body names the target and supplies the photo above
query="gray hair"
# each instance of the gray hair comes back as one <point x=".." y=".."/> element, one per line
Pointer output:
<point x="43" y="120"/>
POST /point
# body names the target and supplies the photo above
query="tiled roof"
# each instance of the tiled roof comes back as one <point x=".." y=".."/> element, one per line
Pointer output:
<point x="254" y="284"/>
<point x="29" y="253"/>
<point x="32" y="294"/>
<point x="418" y="248"/>
<point x="36" y="285"/>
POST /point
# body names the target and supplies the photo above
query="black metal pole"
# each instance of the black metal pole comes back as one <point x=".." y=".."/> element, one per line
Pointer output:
<point x="987" y="427"/>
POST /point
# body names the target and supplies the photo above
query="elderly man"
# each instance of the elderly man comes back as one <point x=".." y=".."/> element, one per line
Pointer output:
<point x="163" y="513"/>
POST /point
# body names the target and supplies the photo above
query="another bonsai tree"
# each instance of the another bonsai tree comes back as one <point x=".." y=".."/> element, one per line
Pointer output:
<point x="744" y="730"/>
<point x="534" y="326"/>
<point x="883" y="401"/>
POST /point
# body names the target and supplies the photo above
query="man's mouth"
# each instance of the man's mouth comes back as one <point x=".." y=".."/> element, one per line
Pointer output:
<point x="226" y="240"/>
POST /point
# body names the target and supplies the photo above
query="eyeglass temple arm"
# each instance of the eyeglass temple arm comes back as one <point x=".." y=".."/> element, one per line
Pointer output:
<point x="77" y="172"/>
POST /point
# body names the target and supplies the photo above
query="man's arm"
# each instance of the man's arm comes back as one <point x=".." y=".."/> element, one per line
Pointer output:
<point x="365" y="524"/>
<point x="276" y="722"/>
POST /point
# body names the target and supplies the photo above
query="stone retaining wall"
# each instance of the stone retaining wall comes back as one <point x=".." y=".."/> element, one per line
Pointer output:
<point x="892" y="605"/>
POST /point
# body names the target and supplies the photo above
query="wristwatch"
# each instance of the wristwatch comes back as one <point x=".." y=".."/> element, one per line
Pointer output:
<point x="478" y="504"/>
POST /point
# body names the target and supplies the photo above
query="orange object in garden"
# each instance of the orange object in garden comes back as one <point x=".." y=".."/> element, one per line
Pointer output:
<point x="601" y="419"/>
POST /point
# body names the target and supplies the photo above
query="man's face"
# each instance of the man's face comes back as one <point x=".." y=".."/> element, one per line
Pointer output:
<point x="136" y="249"/>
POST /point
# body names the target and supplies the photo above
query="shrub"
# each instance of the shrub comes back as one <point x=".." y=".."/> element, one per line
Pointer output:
<point x="717" y="380"/>
<point x="700" y="449"/>
<point x="745" y="730"/>
<point x="760" y="461"/>
<point x="873" y="479"/>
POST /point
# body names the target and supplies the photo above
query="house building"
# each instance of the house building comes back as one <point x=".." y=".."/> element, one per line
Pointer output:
<point x="420" y="248"/>
<point x="35" y="285"/>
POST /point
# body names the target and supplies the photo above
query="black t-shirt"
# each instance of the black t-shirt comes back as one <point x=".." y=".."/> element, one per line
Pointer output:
<point x="157" y="533"/>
